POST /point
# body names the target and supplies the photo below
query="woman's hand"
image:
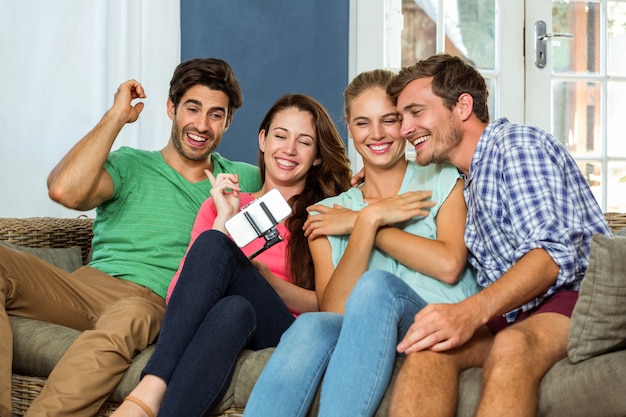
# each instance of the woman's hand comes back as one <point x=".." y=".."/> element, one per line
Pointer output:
<point x="400" y="208"/>
<point x="358" y="178"/>
<point x="225" y="195"/>
<point x="333" y="221"/>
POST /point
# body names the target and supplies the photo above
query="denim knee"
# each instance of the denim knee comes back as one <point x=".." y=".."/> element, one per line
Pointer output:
<point x="234" y="307"/>
<point x="312" y="338"/>
<point x="373" y="288"/>
<point x="313" y="327"/>
<point x="212" y="240"/>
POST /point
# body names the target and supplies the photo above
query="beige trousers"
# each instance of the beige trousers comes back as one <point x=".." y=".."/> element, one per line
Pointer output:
<point x="118" y="319"/>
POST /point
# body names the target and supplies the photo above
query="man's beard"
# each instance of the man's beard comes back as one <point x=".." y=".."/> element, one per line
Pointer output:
<point x="177" y="136"/>
<point x="447" y="139"/>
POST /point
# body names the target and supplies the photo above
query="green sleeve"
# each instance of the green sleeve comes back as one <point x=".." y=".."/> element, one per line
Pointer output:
<point x="249" y="176"/>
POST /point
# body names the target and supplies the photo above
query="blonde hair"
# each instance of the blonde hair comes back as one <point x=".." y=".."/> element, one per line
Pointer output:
<point x="378" y="78"/>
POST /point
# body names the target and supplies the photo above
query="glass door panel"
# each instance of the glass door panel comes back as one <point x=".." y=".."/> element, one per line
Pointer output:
<point x="616" y="15"/>
<point x="615" y="127"/>
<point x="576" y="116"/>
<point x="587" y="75"/>
<point x="581" y="54"/>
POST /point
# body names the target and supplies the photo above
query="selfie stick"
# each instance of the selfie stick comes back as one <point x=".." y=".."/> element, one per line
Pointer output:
<point x="271" y="235"/>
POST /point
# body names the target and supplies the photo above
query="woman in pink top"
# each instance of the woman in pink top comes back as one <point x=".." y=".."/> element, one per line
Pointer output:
<point x="220" y="302"/>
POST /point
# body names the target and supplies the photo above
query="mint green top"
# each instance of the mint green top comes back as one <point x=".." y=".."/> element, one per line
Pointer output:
<point x="142" y="232"/>
<point x="440" y="179"/>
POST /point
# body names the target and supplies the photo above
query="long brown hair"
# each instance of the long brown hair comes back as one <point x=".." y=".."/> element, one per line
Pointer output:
<point x="329" y="178"/>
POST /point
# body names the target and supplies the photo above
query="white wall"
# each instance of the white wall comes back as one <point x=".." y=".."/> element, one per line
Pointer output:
<point x="60" y="64"/>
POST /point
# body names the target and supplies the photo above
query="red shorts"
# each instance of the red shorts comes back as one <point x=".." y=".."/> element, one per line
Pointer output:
<point x="562" y="302"/>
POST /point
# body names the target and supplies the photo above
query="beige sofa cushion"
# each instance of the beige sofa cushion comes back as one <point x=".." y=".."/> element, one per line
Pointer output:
<point x="38" y="346"/>
<point x="599" y="319"/>
<point x="68" y="259"/>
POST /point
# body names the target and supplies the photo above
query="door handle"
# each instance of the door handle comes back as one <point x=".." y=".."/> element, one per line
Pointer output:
<point x="541" y="41"/>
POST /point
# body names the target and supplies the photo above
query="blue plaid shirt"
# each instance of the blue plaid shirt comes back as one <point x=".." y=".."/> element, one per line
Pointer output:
<point x="524" y="191"/>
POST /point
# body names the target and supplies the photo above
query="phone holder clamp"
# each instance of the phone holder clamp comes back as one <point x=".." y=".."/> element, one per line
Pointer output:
<point x="271" y="235"/>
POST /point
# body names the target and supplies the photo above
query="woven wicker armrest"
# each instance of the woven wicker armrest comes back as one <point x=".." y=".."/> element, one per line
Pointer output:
<point x="48" y="232"/>
<point x="615" y="220"/>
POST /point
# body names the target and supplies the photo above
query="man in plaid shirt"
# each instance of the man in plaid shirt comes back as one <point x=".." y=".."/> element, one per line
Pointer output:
<point x="531" y="216"/>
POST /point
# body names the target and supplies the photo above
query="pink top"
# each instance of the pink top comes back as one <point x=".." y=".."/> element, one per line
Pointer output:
<point x="275" y="257"/>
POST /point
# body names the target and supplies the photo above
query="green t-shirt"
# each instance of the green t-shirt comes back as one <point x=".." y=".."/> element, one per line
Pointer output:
<point x="142" y="232"/>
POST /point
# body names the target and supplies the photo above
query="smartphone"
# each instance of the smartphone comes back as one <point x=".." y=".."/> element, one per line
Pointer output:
<point x="257" y="217"/>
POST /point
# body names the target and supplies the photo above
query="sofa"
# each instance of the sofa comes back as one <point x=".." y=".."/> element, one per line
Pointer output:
<point x="591" y="381"/>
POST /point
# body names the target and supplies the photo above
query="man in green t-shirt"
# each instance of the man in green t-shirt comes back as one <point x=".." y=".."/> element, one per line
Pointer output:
<point x="146" y="202"/>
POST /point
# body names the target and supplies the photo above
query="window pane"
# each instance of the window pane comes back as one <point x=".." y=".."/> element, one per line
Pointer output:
<point x="576" y="119"/>
<point x="477" y="19"/>
<point x="582" y="53"/>
<point x="616" y="111"/>
<point x="616" y="38"/>
<point x="469" y="30"/>
<point x="616" y="190"/>
<point x="419" y="34"/>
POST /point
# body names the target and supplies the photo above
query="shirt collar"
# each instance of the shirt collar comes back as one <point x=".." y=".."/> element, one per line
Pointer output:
<point x="483" y="142"/>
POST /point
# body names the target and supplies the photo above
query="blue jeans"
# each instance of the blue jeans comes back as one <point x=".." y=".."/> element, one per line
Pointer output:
<point x="354" y="353"/>
<point x="220" y="305"/>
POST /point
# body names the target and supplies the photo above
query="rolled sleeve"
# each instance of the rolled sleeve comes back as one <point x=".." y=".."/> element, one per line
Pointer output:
<point x="539" y="211"/>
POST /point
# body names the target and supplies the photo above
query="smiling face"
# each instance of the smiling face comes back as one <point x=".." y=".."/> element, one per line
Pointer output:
<point x="374" y="127"/>
<point x="432" y="129"/>
<point x="198" y="122"/>
<point x="289" y="148"/>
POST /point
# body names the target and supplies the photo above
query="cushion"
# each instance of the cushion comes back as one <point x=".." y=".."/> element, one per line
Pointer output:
<point x="69" y="259"/>
<point x="38" y="346"/>
<point x="620" y="232"/>
<point x="592" y="388"/>
<point x="599" y="317"/>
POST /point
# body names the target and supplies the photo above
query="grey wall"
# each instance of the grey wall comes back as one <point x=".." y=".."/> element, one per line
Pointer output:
<point x="275" y="47"/>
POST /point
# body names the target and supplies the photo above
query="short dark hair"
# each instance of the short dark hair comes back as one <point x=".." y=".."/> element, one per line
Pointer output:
<point x="451" y="77"/>
<point x="213" y="73"/>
